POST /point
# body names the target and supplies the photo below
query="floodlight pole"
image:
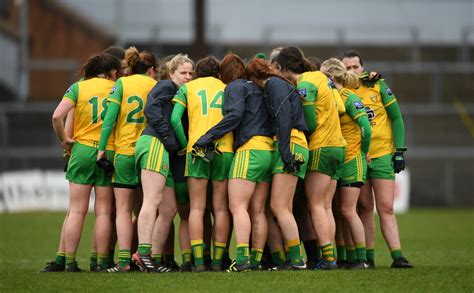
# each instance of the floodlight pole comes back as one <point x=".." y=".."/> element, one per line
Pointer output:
<point x="199" y="44"/>
<point x="23" y="70"/>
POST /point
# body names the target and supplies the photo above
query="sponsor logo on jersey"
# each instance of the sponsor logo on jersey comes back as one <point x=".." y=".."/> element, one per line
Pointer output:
<point x="113" y="90"/>
<point x="358" y="105"/>
<point x="164" y="167"/>
<point x="303" y="92"/>
<point x="389" y="91"/>
<point x="69" y="89"/>
<point x="374" y="98"/>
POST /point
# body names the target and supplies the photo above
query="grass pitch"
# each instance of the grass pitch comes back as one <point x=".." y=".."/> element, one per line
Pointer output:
<point x="439" y="243"/>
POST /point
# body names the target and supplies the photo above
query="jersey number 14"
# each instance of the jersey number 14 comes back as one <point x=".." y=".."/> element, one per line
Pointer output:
<point x="216" y="102"/>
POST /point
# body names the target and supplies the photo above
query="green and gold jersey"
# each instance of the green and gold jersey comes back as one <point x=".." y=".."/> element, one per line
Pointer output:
<point x="375" y="100"/>
<point x="318" y="92"/>
<point x="130" y="93"/>
<point x="350" y="130"/>
<point x="90" y="101"/>
<point x="203" y="98"/>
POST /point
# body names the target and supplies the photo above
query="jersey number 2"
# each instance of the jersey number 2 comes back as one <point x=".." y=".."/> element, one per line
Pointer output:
<point x="131" y="116"/>
<point x="216" y="102"/>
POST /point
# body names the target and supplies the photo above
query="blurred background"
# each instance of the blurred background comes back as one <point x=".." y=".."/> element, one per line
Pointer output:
<point x="423" y="48"/>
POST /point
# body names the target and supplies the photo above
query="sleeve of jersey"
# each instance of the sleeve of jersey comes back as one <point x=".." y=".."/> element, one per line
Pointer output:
<point x="354" y="107"/>
<point x="234" y="107"/>
<point x="108" y="124"/>
<point x="398" y="126"/>
<point x="366" y="132"/>
<point x="176" y="115"/>
<point x="279" y="97"/>
<point x="72" y="93"/>
<point x="181" y="96"/>
<point x="309" y="92"/>
<point x="386" y="93"/>
<point x="115" y="95"/>
<point x="154" y="111"/>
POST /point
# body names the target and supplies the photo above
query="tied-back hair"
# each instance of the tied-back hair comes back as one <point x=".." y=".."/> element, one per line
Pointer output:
<point x="163" y="71"/>
<point x="207" y="66"/>
<point x="232" y="68"/>
<point x="258" y="70"/>
<point x="99" y="64"/>
<point x="139" y="62"/>
<point x="292" y="59"/>
<point x="335" y="69"/>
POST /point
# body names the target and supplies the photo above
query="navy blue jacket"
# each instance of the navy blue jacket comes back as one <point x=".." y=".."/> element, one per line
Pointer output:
<point x="286" y="110"/>
<point x="245" y="114"/>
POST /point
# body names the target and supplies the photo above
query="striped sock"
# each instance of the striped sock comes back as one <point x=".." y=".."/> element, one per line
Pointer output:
<point x="328" y="252"/>
<point x="296" y="255"/>
<point x="219" y="248"/>
<point x="103" y="261"/>
<point x="186" y="255"/>
<point x="341" y="251"/>
<point x="351" y="254"/>
<point x="256" y="257"/>
<point x="361" y="252"/>
<point x="61" y="258"/>
<point x="278" y="257"/>
<point x="93" y="259"/>
<point x="144" y="248"/>
<point x="125" y="257"/>
<point x="157" y="257"/>
<point x="70" y="258"/>
<point x="198" y="251"/>
<point x="242" y="253"/>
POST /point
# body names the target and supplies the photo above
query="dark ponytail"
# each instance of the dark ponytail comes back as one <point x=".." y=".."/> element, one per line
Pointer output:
<point x="98" y="64"/>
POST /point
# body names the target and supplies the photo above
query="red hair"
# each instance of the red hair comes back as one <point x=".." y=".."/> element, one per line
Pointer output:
<point x="232" y="68"/>
<point x="259" y="69"/>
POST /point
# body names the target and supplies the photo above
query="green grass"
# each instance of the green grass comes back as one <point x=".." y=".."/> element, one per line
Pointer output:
<point x="440" y="243"/>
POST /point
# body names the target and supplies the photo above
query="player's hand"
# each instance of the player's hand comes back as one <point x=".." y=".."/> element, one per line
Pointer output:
<point x="66" y="157"/>
<point x="367" y="158"/>
<point x="203" y="142"/>
<point x="106" y="165"/>
<point x="67" y="144"/>
<point x="398" y="160"/>
<point x="101" y="155"/>
<point x="182" y="152"/>
<point x="374" y="76"/>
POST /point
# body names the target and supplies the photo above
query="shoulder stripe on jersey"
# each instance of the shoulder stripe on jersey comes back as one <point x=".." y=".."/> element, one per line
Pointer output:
<point x="389" y="103"/>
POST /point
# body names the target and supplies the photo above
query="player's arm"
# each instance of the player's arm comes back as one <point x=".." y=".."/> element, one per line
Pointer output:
<point x="65" y="106"/>
<point x="234" y="107"/>
<point x="279" y="94"/>
<point x="356" y="110"/>
<point x="393" y="111"/>
<point x="180" y="103"/>
<point x="160" y="94"/>
<point x="114" y="101"/>
<point x="309" y="92"/>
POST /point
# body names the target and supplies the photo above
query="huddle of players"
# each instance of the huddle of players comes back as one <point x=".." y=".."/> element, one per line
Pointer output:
<point x="235" y="142"/>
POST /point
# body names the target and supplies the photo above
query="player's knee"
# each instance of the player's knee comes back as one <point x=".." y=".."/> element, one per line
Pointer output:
<point x="385" y="209"/>
<point x="347" y="212"/>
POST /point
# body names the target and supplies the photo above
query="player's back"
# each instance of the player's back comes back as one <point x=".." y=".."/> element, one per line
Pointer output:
<point x="131" y="119"/>
<point x="91" y="104"/>
<point x="205" y="98"/>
